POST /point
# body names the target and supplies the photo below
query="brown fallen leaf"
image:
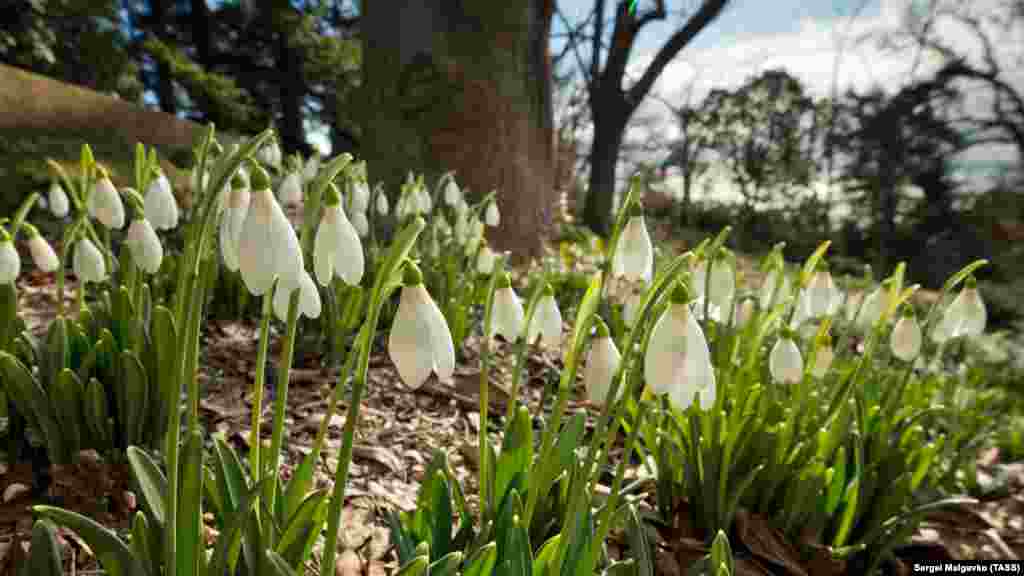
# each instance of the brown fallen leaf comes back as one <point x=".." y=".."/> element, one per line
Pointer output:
<point x="348" y="564"/>
<point x="767" y="542"/>
<point x="379" y="454"/>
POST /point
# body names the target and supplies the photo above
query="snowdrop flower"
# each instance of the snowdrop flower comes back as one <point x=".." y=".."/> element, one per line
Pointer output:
<point x="290" y="191"/>
<point x="425" y="204"/>
<point x="776" y="279"/>
<point x="361" y="224"/>
<point x="507" y="315"/>
<point x="853" y="301"/>
<point x="822" y="360"/>
<point x="491" y="215"/>
<point x="602" y="363"/>
<point x="309" y="298"/>
<point x="723" y="284"/>
<point x="360" y="197"/>
<point x="311" y="168"/>
<point x="58" y="200"/>
<point x="159" y="204"/>
<point x="452" y="194"/>
<point x="231" y="226"/>
<point x="821" y="295"/>
<point x="872" y="308"/>
<point x="144" y="245"/>
<point x="268" y="246"/>
<point x="10" y="262"/>
<point x="632" y="305"/>
<point x="42" y="253"/>
<point x="905" y="340"/>
<point x="337" y="250"/>
<point x="547" y="321"/>
<point x="87" y="262"/>
<point x="420" y="342"/>
<point x="714" y="312"/>
<point x="634" y="256"/>
<point x="744" y="312"/>
<point x="442" y="224"/>
<point x="270" y="154"/>
<point x="485" y="260"/>
<point x="678" y="362"/>
<point x="785" y="363"/>
<point x="966" y="316"/>
<point x="105" y="204"/>
<point x="382" y="203"/>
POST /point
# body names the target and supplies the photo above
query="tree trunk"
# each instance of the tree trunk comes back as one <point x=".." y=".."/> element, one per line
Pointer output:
<point x="165" y="82"/>
<point x="463" y="86"/>
<point x="292" y="85"/>
<point x="604" y="156"/>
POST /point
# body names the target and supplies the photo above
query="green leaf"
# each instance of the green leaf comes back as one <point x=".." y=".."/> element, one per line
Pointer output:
<point x="516" y="454"/>
<point x="441" y="516"/>
<point x="151" y="482"/>
<point x="190" y="511"/>
<point x="447" y="565"/>
<point x="164" y="342"/>
<point x="481" y="562"/>
<point x="303" y="528"/>
<point x="640" y="547"/>
<point x="279" y="565"/>
<point x="45" y="557"/>
<point x="225" y="551"/>
<point x="113" y="555"/>
<point x="97" y="416"/>
<point x="415" y="567"/>
<point x="135" y="390"/>
<point x="231" y="482"/>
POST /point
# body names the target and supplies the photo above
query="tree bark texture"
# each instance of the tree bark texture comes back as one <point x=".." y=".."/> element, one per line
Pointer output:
<point x="464" y="86"/>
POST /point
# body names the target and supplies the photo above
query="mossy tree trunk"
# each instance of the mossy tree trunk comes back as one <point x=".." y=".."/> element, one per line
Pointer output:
<point x="464" y="86"/>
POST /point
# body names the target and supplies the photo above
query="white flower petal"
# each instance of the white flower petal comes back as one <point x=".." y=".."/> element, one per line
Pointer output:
<point x="257" y="254"/>
<point x="290" y="191"/>
<point x="87" y="262"/>
<point x="10" y="262"/>
<point x="602" y="362"/>
<point x="492" y="216"/>
<point x="905" y="340"/>
<point x="105" y="204"/>
<point x="634" y="256"/>
<point x="785" y="363"/>
<point x="144" y="245"/>
<point x="409" y="345"/>
<point x="58" y="200"/>
<point x="506" y="314"/>
<point x="349" y="262"/>
<point x="159" y="204"/>
<point x="546" y="323"/>
<point x="42" y="254"/>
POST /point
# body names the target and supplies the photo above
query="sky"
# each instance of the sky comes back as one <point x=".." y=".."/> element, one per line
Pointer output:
<point x="808" y="38"/>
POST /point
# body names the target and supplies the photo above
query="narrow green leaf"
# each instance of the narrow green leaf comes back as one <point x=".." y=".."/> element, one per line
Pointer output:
<point x="113" y="555"/>
<point x="45" y="557"/>
<point x="190" y="512"/>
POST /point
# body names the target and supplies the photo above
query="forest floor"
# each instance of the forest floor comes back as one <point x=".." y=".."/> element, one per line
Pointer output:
<point x="398" y="432"/>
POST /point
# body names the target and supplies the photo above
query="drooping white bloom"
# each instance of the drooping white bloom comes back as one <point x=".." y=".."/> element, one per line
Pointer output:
<point x="492" y="215"/>
<point x="361" y="224"/>
<point x="420" y="342"/>
<point x="309" y="298"/>
<point x="268" y="246"/>
<point x="337" y="249"/>
<point x="42" y="254"/>
<point x="442" y="224"/>
<point x="105" y="204"/>
<point x="714" y="312"/>
<point x="723" y="284"/>
<point x="966" y="316"/>
<point x="452" y="194"/>
<point x="360" y="197"/>
<point x="821" y="295"/>
<point x="905" y="340"/>
<point x="160" y="206"/>
<point x="602" y="363"/>
<point x="769" y="287"/>
<point x="678" y="362"/>
<point x="87" y="262"/>
<point x="632" y="304"/>
<point x="144" y="244"/>
<point x="382" y="204"/>
<point x="10" y="262"/>
<point x="546" y="323"/>
<point x="872" y="308"/>
<point x="744" y="312"/>
<point x="507" y="316"/>
<point x="785" y="363"/>
<point x="312" y="167"/>
<point x="853" y="301"/>
<point x="290" y="191"/>
<point x="270" y="154"/>
<point x="58" y="200"/>
<point x="634" y="256"/>
<point x="822" y="361"/>
<point x="231" y="226"/>
<point x="485" y="260"/>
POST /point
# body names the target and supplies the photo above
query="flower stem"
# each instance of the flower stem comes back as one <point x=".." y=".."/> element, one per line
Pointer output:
<point x="255" y="470"/>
